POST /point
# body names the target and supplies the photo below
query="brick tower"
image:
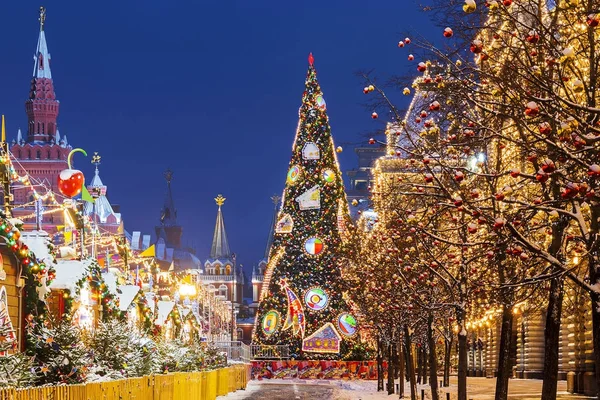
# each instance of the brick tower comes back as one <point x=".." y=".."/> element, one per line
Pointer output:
<point x="43" y="153"/>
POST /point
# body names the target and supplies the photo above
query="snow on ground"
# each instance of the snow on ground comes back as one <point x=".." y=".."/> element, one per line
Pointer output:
<point x="477" y="388"/>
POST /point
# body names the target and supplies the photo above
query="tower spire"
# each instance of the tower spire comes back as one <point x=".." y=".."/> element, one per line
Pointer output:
<point x="42" y="106"/>
<point x="42" y="17"/>
<point x="220" y="244"/>
<point x="169" y="213"/>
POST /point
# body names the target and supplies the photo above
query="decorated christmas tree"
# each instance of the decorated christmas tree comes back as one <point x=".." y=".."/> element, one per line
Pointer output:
<point x="302" y="303"/>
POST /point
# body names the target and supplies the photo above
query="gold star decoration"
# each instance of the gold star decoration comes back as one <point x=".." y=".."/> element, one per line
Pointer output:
<point x="50" y="340"/>
<point x="45" y="369"/>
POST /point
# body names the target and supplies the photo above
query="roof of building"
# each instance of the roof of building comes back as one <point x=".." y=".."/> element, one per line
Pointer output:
<point x="38" y="242"/>
<point x="220" y="244"/>
<point x="168" y="215"/>
<point x="69" y="273"/>
<point x="101" y="207"/>
<point x="41" y="58"/>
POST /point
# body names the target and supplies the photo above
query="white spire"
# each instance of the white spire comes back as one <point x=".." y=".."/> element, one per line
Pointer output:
<point x="65" y="141"/>
<point x="41" y="58"/>
<point x="19" y="136"/>
<point x="57" y="138"/>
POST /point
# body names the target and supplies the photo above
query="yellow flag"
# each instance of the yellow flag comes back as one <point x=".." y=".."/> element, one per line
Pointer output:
<point x="68" y="237"/>
<point x="149" y="252"/>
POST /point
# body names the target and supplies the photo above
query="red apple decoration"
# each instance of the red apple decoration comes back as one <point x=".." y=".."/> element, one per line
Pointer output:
<point x="70" y="181"/>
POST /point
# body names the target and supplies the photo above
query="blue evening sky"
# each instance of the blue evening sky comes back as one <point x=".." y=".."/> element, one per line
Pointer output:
<point x="210" y="89"/>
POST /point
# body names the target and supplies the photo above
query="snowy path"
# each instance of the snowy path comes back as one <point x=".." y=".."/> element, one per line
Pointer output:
<point x="298" y="389"/>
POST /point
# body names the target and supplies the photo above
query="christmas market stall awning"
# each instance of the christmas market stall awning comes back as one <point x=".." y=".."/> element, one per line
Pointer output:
<point x="164" y="311"/>
<point x="110" y="280"/>
<point x="151" y="301"/>
<point x="126" y="295"/>
<point x="70" y="273"/>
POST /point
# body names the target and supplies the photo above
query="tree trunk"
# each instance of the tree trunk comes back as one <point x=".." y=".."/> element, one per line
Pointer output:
<point x="551" y="339"/>
<point x="419" y="364"/>
<point x="462" y="363"/>
<point x="401" y="365"/>
<point x="390" y="369"/>
<point x="411" y="365"/>
<point x="379" y="365"/>
<point x="447" y="358"/>
<point x="424" y="371"/>
<point x="594" y="275"/>
<point x="433" y="382"/>
<point x="596" y="338"/>
<point x="504" y="370"/>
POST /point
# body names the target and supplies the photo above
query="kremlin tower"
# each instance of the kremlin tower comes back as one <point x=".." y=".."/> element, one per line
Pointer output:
<point x="43" y="152"/>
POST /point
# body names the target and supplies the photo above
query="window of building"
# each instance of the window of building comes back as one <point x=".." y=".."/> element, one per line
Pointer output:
<point x="217" y="270"/>
<point x="223" y="291"/>
<point x="228" y="269"/>
<point x="240" y="334"/>
<point x="38" y="154"/>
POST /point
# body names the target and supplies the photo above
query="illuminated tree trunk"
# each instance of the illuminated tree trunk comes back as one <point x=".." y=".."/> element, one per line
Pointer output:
<point x="551" y="339"/>
<point x="433" y="383"/>
<point x="411" y="365"/>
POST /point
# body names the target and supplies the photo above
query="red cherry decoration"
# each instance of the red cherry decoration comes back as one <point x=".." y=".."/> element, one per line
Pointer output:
<point x="70" y="181"/>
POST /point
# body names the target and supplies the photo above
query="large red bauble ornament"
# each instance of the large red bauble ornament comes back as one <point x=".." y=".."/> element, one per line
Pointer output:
<point x="70" y="181"/>
<point x="593" y="20"/>
<point x="448" y="32"/>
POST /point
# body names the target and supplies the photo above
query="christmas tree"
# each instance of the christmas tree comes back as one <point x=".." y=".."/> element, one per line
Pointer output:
<point x="302" y="303"/>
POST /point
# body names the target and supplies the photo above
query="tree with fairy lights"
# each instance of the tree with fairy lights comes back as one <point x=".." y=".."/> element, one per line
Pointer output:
<point x="517" y="169"/>
<point x="302" y="303"/>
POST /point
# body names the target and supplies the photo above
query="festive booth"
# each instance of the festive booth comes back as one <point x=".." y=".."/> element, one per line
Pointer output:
<point x="135" y="307"/>
<point x="167" y="319"/>
<point x="70" y="292"/>
<point x="79" y="290"/>
<point x="11" y="297"/>
<point x="191" y="325"/>
<point x="23" y="282"/>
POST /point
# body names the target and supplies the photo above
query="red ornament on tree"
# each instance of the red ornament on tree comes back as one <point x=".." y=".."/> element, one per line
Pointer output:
<point x="311" y="59"/>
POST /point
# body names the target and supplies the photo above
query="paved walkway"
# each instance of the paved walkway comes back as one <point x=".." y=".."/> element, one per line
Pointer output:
<point x="297" y="389"/>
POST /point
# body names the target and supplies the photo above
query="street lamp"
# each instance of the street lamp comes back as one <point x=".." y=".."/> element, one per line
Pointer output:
<point x="187" y="290"/>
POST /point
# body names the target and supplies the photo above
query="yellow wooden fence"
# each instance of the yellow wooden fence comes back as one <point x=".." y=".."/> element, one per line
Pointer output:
<point x="178" y="386"/>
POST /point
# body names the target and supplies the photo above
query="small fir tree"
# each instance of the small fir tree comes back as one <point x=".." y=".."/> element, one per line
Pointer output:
<point x="61" y="356"/>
